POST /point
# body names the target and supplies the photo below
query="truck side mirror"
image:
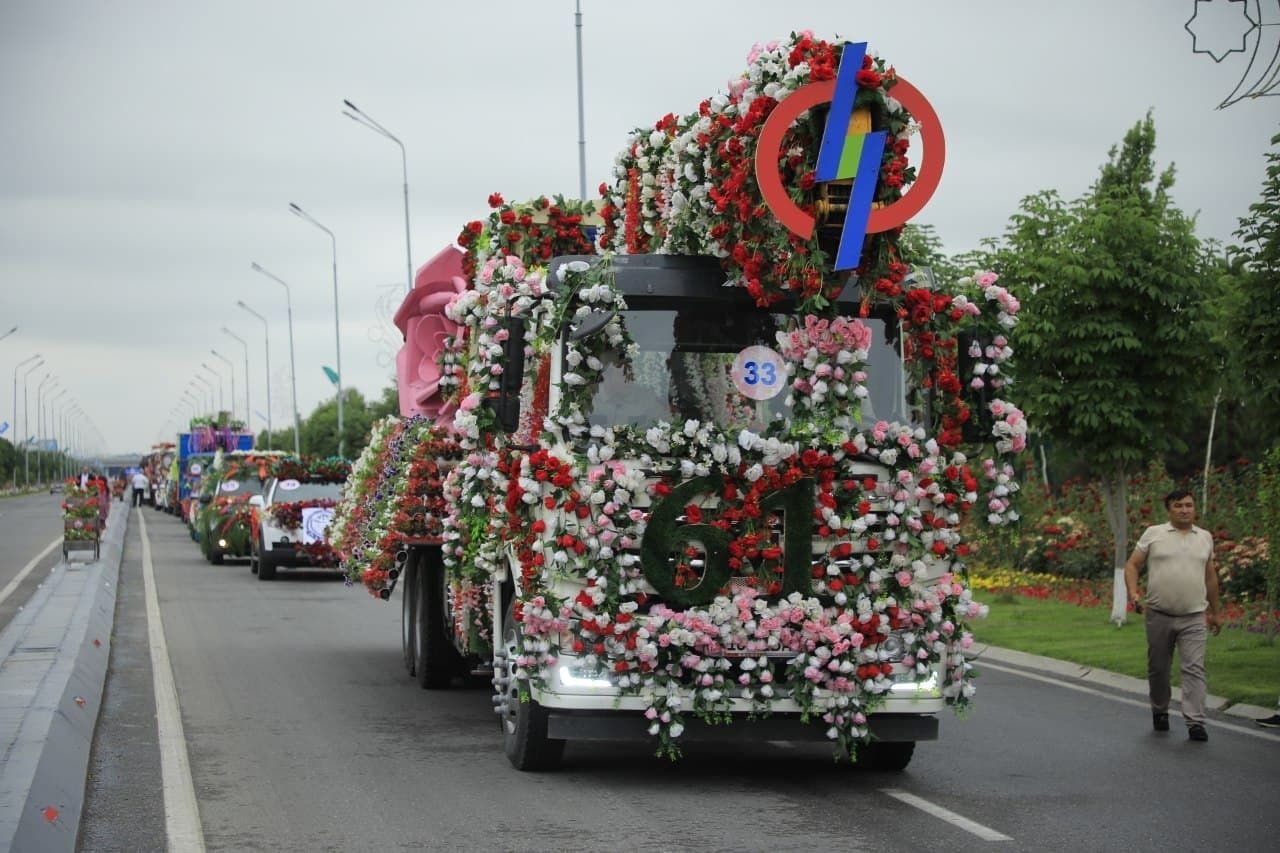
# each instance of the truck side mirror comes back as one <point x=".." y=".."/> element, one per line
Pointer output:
<point x="205" y="499"/>
<point x="591" y="325"/>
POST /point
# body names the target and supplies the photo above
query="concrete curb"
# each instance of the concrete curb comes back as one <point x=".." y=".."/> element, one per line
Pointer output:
<point x="1124" y="683"/>
<point x="53" y="669"/>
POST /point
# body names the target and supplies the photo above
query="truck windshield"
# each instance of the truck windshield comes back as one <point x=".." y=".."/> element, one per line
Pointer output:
<point x="295" y="491"/>
<point x="722" y="366"/>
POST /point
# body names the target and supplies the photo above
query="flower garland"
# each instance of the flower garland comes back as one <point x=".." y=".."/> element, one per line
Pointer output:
<point x="535" y="231"/>
<point x="311" y="470"/>
<point x="687" y="185"/>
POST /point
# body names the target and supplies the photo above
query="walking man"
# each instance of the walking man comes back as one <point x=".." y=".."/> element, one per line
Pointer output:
<point x="1182" y="599"/>
<point x="140" y="483"/>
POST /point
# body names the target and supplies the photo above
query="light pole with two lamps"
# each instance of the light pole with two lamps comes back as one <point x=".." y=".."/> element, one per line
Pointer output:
<point x="230" y="369"/>
<point x="365" y="120"/>
<point x="248" y="409"/>
<point x="337" y="337"/>
<point x="266" y="336"/>
<point x="293" y="370"/>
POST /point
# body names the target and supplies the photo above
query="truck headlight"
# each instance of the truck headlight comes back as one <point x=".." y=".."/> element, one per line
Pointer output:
<point x="576" y="674"/>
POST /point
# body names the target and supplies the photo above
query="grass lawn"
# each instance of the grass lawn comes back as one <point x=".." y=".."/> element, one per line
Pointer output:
<point x="1241" y="666"/>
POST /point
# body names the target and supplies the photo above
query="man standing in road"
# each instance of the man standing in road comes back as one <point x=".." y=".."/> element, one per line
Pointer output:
<point x="140" y="483"/>
<point x="1182" y="598"/>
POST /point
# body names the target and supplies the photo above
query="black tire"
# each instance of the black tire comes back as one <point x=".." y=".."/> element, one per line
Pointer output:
<point x="524" y="724"/>
<point x="409" y="612"/>
<point x="886" y="755"/>
<point x="254" y="550"/>
<point x="215" y="555"/>
<point x="436" y="661"/>
<point x="266" y="566"/>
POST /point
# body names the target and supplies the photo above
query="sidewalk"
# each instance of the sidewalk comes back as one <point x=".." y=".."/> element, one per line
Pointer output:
<point x="53" y="667"/>
<point x="1099" y="677"/>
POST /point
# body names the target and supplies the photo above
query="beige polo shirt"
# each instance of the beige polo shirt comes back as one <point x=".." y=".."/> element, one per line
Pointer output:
<point x="1175" y="568"/>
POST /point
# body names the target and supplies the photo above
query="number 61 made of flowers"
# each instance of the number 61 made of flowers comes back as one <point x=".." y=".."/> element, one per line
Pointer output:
<point x="844" y="154"/>
<point x="667" y="542"/>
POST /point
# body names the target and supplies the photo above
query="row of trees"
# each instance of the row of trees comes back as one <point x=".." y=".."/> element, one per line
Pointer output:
<point x="318" y="433"/>
<point x="19" y="466"/>
<point x="1139" y="341"/>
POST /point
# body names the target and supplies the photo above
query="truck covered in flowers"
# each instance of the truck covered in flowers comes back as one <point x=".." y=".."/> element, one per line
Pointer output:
<point x="659" y="467"/>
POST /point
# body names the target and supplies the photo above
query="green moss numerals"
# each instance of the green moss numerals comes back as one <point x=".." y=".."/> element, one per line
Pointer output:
<point x="667" y="541"/>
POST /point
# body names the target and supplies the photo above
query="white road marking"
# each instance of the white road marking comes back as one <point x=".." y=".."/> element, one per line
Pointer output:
<point x="1139" y="703"/>
<point x="26" y="570"/>
<point x="182" y="812"/>
<point x="986" y="833"/>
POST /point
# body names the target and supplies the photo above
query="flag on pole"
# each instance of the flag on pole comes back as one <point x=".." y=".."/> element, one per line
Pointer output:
<point x="332" y="374"/>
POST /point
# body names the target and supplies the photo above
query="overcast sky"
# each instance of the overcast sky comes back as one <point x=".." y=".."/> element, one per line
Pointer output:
<point x="149" y="151"/>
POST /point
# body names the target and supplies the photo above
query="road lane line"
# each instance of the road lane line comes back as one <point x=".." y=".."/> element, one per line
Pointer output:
<point x="181" y="810"/>
<point x="1137" y="703"/>
<point x="986" y="833"/>
<point x="26" y="570"/>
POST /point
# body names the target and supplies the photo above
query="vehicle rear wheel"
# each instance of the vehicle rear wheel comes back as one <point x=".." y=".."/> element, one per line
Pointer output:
<point x="524" y="724"/>
<point x="886" y="755"/>
<point x="254" y="550"/>
<point x="409" y="611"/>
<point x="266" y="566"/>
<point x="436" y="661"/>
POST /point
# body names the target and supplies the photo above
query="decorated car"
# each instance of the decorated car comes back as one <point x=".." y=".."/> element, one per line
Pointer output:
<point x="224" y="524"/>
<point x="713" y="469"/>
<point x="291" y="517"/>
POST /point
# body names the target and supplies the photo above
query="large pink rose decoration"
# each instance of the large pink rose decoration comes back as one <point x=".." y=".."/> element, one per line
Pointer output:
<point x="422" y="320"/>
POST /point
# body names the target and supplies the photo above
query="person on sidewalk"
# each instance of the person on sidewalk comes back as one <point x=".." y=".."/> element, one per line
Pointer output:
<point x="140" y="483"/>
<point x="1272" y="722"/>
<point x="1182" y="599"/>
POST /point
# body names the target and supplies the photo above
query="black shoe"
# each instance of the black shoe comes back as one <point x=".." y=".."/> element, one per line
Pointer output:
<point x="1196" y="732"/>
<point x="1159" y="721"/>
<point x="1272" y="722"/>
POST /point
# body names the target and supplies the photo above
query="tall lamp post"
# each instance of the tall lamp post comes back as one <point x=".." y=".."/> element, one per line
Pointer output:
<point x="337" y="338"/>
<point x="14" y="423"/>
<point x="26" y="417"/>
<point x="8" y="333"/>
<point x="193" y="401"/>
<point x="53" y="424"/>
<point x="266" y="337"/>
<point x="230" y="369"/>
<point x="218" y="376"/>
<point x="365" y="120"/>
<point x="40" y="423"/>
<point x="293" y="372"/>
<point x="248" y="410"/>
<point x="208" y="390"/>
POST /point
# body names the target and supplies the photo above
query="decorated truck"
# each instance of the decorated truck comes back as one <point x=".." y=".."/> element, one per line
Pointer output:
<point x="195" y="452"/>
<point x="712" y="460"/>
<point x="290" y="519"/>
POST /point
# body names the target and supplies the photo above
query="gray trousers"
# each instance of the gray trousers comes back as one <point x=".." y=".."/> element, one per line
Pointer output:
<point x="1189" y="634"/>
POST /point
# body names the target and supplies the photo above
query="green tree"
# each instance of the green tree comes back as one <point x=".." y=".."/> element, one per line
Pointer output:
<point x="920" y="246"/>
<point x="1255" y="319"/>
<point x="1111" y="347"/>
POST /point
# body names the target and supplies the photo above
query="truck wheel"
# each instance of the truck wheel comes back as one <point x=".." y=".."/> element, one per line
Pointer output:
<point x="409" y="611"/>
<point x="254" y="551"/>
<point x="524" y="724"/>
<point x="435" y="659"/>
<point x="215" y="555"/>
<point x="886" y="755"/>
<point x="266" y="566"/>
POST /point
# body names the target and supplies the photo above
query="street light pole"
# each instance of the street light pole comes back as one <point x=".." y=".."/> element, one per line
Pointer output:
<point x="582" y="121"/>
<point x="218" y="376"/>
<point x="232" y="370"/>
<point x="53" y="422"/>
<point x="40" y="424"/>
<point x="26" y="417"/>
<point x="365" y="120"/>
<point x="8" y="333"/>
<point x="266" y="336"/>
<point x="337" y="338"/>
<point x="208" y="387"/>
<point x="14" y="424"/>
<point x="293" y="371"/>
<point x="248" y="410"/>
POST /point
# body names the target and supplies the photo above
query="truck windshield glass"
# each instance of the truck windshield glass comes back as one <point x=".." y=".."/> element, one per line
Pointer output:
<point x="307" y="492"/>
<point x="683" y="368"/>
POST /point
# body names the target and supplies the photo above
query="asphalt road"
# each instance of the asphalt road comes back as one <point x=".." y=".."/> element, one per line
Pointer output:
<point x="28" y="526"/>
<point x="304" y="733"/>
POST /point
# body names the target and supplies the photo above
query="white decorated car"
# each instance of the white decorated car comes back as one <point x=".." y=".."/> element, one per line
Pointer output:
<point x="291" y="519"/>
